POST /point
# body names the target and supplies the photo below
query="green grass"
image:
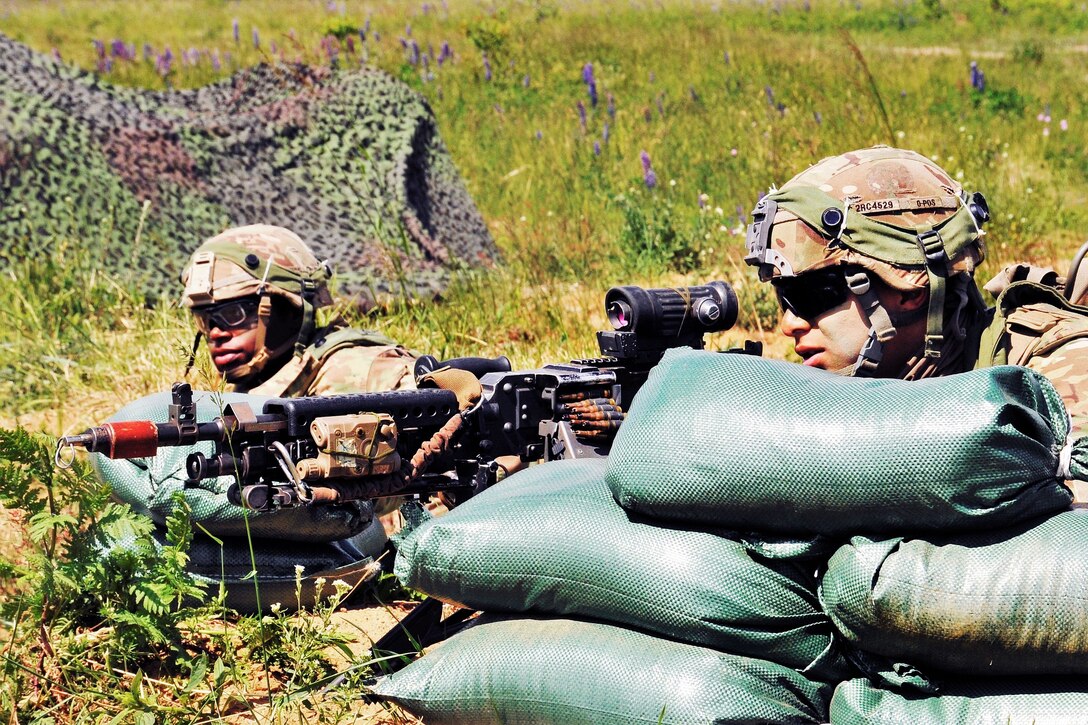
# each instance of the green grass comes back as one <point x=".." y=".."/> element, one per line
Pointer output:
<point x="726" y="102"/>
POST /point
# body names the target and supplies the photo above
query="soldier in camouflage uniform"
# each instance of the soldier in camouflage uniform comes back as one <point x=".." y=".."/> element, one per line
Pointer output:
<point x="872" y="255"/>
<point x="254" y="291"/>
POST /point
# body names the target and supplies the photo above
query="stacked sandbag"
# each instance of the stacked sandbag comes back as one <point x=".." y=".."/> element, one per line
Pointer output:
<point x="552" y="542"/>
<point x="339" y="541"/>
<point x="716" y="443"/>
<point x="968" y="620"/>
<point x="583" y="673"/>
<point x="981" y="701"/>
<point x="965" y="565"/>
<point x="1008" y="602"/>
<point x="742" y="442"/>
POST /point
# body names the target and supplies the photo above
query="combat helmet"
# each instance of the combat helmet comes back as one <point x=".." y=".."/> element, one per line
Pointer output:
<point x="264" y="262"/>
<point x="884" y="212"/>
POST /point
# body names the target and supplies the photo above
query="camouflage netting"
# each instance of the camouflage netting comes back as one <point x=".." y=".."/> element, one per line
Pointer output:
<point x="350" y="160"/>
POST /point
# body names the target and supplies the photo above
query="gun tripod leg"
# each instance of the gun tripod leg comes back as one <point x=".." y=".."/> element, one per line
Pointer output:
<point x="423" y="627"/>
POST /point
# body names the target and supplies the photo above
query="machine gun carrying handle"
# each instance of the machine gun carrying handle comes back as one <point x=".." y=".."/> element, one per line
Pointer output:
<point x="478" y="366"/>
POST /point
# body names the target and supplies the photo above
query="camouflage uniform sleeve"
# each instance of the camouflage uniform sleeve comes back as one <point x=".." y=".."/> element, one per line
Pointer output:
<point x="1067" y="368"/>
<point x="364" y="369"/>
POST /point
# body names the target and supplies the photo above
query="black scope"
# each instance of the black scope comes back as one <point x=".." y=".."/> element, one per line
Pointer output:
<point x="649" y="321"/>
<point x="672" y="312"/>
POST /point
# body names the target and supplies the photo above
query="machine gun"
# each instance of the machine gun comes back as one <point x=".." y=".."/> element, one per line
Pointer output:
<point x="312" y="450"/>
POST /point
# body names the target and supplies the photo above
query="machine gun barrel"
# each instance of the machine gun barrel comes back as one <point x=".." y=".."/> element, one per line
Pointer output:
<point x="298" y="451"/>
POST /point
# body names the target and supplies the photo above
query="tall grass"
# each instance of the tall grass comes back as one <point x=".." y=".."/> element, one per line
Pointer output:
<point x="724" y="98"/>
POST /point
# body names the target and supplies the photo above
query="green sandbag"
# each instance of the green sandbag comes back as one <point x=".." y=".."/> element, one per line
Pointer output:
<point x="572" y="672"/>
<point x="1011" y="602"/>
<point x="985" y="701"/>
<point x="552" y="540"/>
<point x="746" y="443"/>
<point x="148" y="485"/>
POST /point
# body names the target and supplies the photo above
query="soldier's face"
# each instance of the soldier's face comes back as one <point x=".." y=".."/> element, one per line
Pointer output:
<point x="232" y="347"/>
<point x="231" y="329"/>
<point x="833" y="340"/>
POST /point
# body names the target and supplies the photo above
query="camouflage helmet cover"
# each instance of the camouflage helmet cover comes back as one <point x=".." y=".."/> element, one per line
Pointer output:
<point x="241" y="261"/>
<point x="884" y="198"/>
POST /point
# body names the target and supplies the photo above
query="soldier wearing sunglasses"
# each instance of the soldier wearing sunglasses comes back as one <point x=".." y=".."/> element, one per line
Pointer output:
<point x="254" y="292"/>
<point x="872" y="257"/>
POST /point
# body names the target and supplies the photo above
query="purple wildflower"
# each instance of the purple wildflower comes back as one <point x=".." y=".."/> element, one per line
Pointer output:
<point x="582" y="115"/>
<point x="661" y="104"/>
<point x="487" y="68"/>
<point x="611" y="106"/>
<point x="587" y="73"/>
<point x="408" y="30"/>
<point x="539" y="135"/>
<point x="414" y="52"/>
<point x="819" y="118"/>
<point x="648" y="174"/>
<point x="525" y="81"/>
<point x="498" y="109"/>
<point x="216" y="63"/>
<point x="99" y="48"/>
<point x="725" y="57"/>
<point x="444" y="53"/>
<point x="978" y="78"/>
<point x="769" y="93"/>
<point x="234" y="31"/>
<point x="118" y="49"/>
<point x="164" y="62"/>
<point x="605" y="132"/>
<point x="256" y="39"/>
<point x="596" y="148"/>
<point x="591" y="83"/>
<point x="148" y="51"/>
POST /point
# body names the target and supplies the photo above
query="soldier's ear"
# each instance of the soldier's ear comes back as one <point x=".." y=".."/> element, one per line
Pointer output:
<point x="913" y="299"/>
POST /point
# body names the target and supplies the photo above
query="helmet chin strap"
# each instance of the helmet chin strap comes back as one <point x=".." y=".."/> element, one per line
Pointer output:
<point x="881" y="329"/>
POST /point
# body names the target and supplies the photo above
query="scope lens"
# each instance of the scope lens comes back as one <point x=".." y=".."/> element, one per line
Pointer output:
<point x="619" y="314"/>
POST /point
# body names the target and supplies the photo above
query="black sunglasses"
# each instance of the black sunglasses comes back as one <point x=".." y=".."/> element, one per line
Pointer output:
<point x="229" y="315"/>
<point x="811" y="294"/>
